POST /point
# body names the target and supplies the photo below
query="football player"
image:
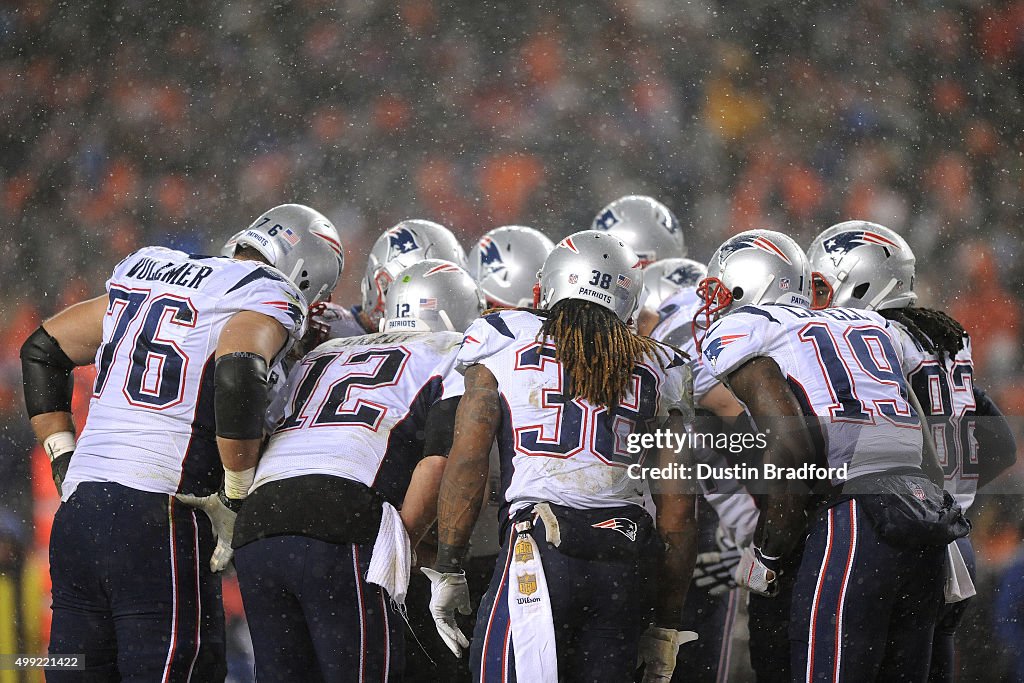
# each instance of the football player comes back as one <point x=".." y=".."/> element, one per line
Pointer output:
<point x="868" y="266"/>
<point x="663" y="279"/>
<point x="505" y="262"/>
<point x="561" y="389"/>
<point x="134" y="588"/>
<point x="711" y="603"/>
<point x="323" y="553"/>
<point x="870" y="579"/>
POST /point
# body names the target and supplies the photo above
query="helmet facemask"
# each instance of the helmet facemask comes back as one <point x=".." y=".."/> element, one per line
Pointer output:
<point x="716" y="298"/>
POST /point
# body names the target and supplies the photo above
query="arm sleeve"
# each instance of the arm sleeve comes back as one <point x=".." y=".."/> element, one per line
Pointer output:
<point x="997" y="447"/>
<point x="484" y="338"/>
<point x="732" y="341"/>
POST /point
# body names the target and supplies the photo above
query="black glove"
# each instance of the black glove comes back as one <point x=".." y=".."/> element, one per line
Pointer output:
<point x="59" y="470"/>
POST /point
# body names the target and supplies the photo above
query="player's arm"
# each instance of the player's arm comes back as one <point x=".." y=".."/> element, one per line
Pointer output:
<point x="48" y="357"/>
<point x="465" y="478"/>
<point x="247" y="345"/>
<point x="419" y="509"/>
<point x="245" y="349"/>
<point x="720" y="401"/>
<point x="997" y="447"/>
<point x="759" y="384"/>
<point x="463" y="487"/>
<point x="677" y="526"/>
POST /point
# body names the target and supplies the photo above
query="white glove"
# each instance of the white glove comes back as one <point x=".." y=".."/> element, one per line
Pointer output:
<point x="658" y="650"/>
<point x="714" y="571"/>
<point x="757" y="572"/>
<point x="223" y="521"/>
<point x="448" y="592"/>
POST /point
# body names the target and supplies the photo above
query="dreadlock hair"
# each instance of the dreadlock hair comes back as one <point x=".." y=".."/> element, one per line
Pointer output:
<point x="596" y="349"/>
<point x="934" y="330"/>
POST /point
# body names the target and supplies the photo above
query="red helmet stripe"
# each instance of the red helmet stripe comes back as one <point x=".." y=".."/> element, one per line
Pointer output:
<point x="767" y="245"/>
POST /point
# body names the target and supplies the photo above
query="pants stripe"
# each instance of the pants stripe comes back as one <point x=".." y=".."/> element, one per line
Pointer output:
<point x="362" y="614"/>
<point x="842" y="590"/>
<point x="725" y="653"/>
<point x="174" y="592"/>
<point x="498" y="595"/>
<point x="199" y="599"/>
<point x="387" y="637"/>
<point x="817" y="597"/>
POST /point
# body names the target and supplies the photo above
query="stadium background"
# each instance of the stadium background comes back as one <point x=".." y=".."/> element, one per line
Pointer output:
<point x="132" y="123"/>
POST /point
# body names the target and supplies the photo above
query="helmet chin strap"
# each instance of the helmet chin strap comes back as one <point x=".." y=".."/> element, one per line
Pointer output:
<point x="760" y="295"/>
<point x="873" y="304"/>
<point x="446" y="320"/>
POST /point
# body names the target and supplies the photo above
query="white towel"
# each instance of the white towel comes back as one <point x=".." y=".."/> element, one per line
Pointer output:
<point x="958" y="580"/>
<point x="529" y="608"/>
<point x="391" y="560"/>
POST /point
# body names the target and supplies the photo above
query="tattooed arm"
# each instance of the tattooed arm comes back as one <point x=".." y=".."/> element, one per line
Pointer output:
<point x="465" y="476"/>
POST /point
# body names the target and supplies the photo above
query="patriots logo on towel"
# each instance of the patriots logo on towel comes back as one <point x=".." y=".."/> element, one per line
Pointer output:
<point x="751" y="242"/>
<point x="626" y="527"/>
<point x="402" y="241"/>
<point x="842" y="244"/>
<point x="717" y="345"/>
<point x="490" y="258"/>
<point x="684" y="275"/>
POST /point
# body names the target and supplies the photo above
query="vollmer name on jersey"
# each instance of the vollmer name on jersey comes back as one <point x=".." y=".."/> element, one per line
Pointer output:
<point x="175" y="273"/>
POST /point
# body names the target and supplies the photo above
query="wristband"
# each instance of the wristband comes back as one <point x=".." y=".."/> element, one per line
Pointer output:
<point x="237" y="484"/>
<point x="59" y="443"/>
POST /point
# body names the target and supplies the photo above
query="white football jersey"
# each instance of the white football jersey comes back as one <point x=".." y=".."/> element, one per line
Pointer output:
<point x="570" y="453"/>
<point x="946" y="393"/>
<point x="357" y="408"/>
<point x="151" y="420"/>
<point x="675" y="326"/>
<point x="845" y="366"/>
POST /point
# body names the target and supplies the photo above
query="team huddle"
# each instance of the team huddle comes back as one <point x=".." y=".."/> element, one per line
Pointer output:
<point x="479" y="415"/>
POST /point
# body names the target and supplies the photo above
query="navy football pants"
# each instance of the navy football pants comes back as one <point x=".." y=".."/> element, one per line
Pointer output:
<point x="132" y="588"/>
<point x="313" y="617"/>
<point x="597" y="608"/>
<point x="863" y="610"/>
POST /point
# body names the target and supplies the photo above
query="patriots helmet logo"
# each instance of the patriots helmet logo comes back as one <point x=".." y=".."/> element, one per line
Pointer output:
<point x="842" y="244"/>
<point x="402" y="241"/>
<point x="490" y="258"/>
<point x="669" y="221"/>
<point x="713" y="350"/>
<point x="751" y="242"/>
<point x="626" y="527"/>
<point x="606" y="221"/>
<point x="684" y="275"/>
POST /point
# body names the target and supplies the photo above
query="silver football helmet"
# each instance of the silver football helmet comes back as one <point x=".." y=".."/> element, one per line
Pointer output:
<point x="229" y="247"/>
<point x="505" y="263"/>
<point x="645" y="224"/>
<point x="754" y="267"/>
<point x="863" y="265"/>
<point x="301" y="243"/>
<point x="664" y="278"/>
<point x="593" y="266"/>
<point x="398" y="248"/>
<point x="432" y="295"/>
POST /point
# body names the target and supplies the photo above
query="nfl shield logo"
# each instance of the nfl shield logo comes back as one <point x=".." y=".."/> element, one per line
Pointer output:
<point x="527" y="584"/>
<point x="524" y="550"/>
<point x="573" y="279"/>
<point x="916" y="489"/>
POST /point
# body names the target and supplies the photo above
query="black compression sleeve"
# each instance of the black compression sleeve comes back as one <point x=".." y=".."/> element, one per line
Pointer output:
<point x="240" y="395"/>
<point x="46" y="375"/>
<point x="440" y="429"/>
<point x="997" y="448"/>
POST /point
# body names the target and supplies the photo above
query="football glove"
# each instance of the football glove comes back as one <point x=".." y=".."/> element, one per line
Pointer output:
<point x="715" y="571"/>
<point x="59" y="470"/>
<point x="658" y="650"/>
<point x="448" y="592"/>
<point x="758" y="573"/>
<point x="219" y="509"/>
